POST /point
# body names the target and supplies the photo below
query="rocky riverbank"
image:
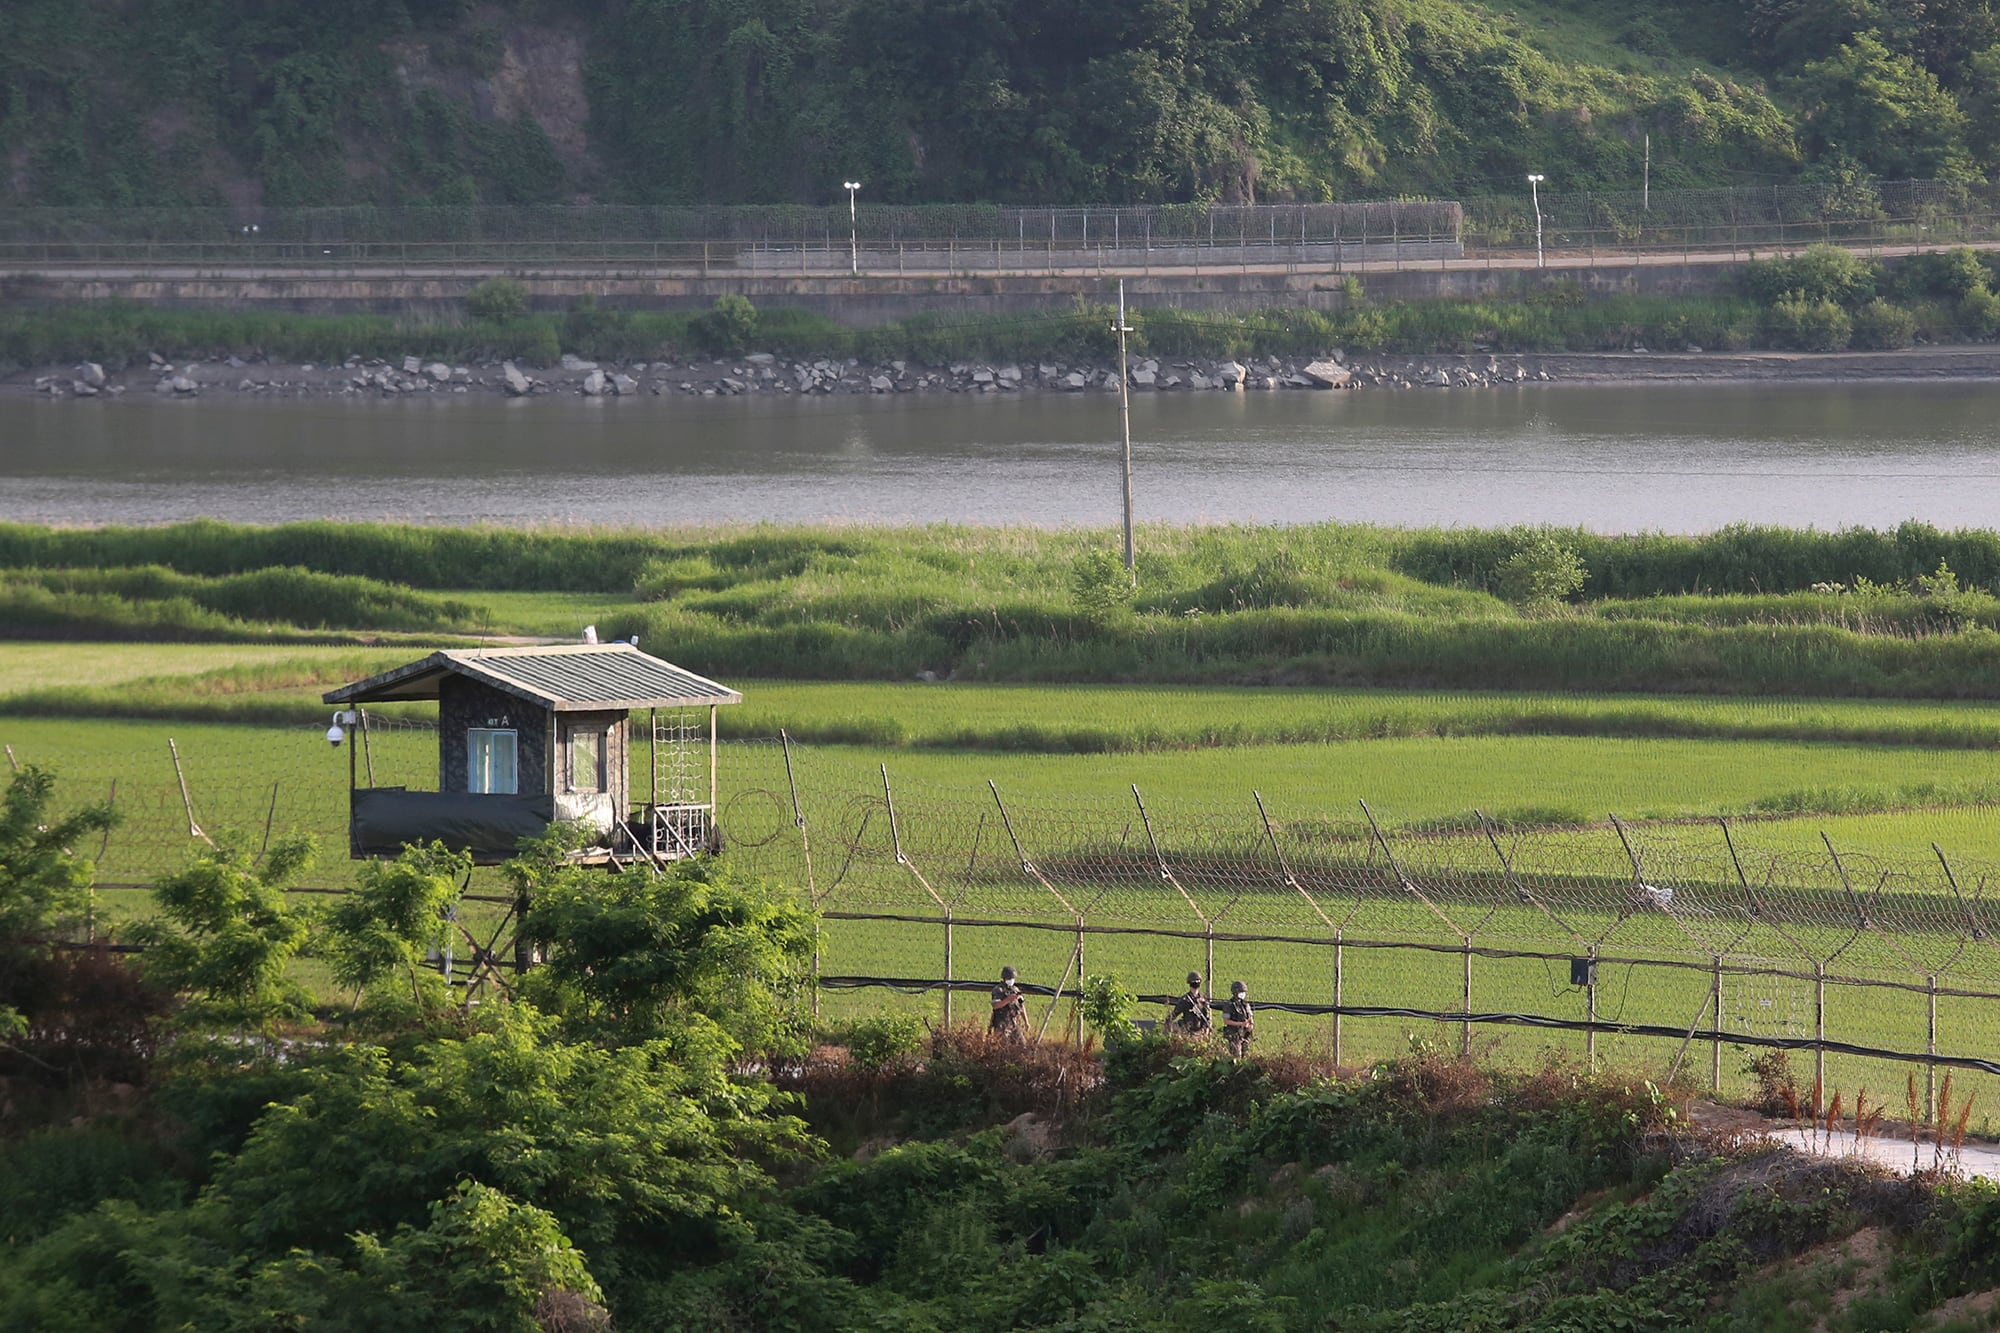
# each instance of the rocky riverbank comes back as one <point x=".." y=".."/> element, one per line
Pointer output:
<point x="764" y="373"/>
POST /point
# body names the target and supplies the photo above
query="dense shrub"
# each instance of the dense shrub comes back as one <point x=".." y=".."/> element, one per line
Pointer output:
<point x="728" y="328"/>
<point x="1880" y="326"/>
<point x="497" y="300"/>
<point x="1823" y="273"/>
<point x="1808" y="325"/>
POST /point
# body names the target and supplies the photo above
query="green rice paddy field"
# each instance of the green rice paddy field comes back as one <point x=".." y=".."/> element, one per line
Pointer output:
<point x="1887" y="777"/>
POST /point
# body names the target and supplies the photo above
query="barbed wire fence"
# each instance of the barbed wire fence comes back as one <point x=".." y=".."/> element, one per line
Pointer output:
<point x="1576" y="227"/>
<point x="1662" y="944"/>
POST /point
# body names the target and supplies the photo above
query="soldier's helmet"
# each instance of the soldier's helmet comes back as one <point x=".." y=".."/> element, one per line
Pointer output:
<point x="1238" y="988"/>
<point x="1006" y="974"/>
<point x="1194" y="978"/>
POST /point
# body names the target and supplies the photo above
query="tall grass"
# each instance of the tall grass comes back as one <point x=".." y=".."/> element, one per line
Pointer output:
<point x="421" y="557"/>
<point x="292" y="596"/>
<point x="1208" y="568"/>
<point x="1729" y="612"/>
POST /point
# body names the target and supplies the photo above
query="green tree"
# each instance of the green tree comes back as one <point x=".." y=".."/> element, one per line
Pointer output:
<point x="43" y="879"/>
<point x="483" y="1263"/>
<point x="396" y="915"/>
<point x="652" y="1140"/>
<point x="225" y="933"/>
<point x="1884" y="110"/>
<point x="643" y="953"/>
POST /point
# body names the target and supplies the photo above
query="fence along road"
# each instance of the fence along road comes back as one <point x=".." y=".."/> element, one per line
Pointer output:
<point x="1682" y="946"/>
<point x="1579" y="230"/>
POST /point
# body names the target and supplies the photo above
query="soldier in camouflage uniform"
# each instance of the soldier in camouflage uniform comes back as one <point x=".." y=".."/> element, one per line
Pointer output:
<point x="1010" y="1008"/>
<point x="1238" y="1019"/>
<point x="1190" y="1016"/>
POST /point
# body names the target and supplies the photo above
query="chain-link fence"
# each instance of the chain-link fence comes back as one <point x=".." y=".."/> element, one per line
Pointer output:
<point x="1555" y="226"/>
<point x="1685" y="947"/>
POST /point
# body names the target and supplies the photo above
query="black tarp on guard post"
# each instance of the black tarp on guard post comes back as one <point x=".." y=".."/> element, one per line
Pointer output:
<point x="490" y="827"/>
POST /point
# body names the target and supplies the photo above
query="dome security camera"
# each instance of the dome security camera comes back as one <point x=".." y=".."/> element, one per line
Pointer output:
<point x="336" y="733"/>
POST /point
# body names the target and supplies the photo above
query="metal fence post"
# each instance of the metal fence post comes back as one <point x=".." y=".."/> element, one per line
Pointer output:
<point x="1079" y="981"/>
<point x="1715" y="1049"/>
<point x="1590" y="1012"/>
<point x="1465" y="1030"/>
<point x="1930" y="1049"/>
<point x="1819" y="1034"/>
<point x="947" y="967"/>
<point x="1339" y="950"/>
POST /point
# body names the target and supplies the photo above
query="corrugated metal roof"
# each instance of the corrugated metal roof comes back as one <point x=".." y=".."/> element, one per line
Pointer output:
<point x="564" y="678"/>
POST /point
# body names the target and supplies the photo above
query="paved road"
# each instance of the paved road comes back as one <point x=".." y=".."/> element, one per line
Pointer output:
<point x="917" y="266"/>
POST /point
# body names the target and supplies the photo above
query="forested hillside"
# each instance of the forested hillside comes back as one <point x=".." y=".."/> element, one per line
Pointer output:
<point x="243" y="103"/>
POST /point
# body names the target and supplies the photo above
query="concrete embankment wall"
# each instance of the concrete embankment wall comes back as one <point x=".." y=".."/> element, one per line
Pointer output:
<point x="857" y="301"/>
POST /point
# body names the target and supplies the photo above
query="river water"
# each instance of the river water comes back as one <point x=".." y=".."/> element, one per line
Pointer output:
<point x="1616" y="458"/>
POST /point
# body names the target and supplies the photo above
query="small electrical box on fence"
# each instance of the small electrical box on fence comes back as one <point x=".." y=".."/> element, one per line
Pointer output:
<point x="1583" y="971"/>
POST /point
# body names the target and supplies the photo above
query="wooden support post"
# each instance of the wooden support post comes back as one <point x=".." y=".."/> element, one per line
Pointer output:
<point x="799" y="822"/>
<point x="187" y="803"/>
<point x="524" y="948"/>
<point x="367" y="750"/>
<point x="269" y="815"/>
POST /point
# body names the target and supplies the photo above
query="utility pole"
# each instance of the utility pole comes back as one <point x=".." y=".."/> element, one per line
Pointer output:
<point x="1646" y="187"/>
<point x="1125" y="420"/>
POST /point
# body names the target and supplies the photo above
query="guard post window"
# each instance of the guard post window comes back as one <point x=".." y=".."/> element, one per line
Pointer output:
<point x="492" y="761"/>
<point x="586" y="760"/>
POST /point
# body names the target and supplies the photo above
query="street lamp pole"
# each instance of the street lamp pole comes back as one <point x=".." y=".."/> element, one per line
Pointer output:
<point x="853" y="236"/>
<point x="1535" y="188"/>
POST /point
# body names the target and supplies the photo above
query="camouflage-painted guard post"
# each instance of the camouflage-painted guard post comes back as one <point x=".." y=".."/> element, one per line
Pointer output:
<point x="1239" y="1020"/>
<point x="1190" y="1015"/>
<point x="1010" y="1008"/>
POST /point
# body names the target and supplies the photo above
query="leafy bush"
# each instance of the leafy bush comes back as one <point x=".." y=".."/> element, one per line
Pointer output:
<point x="1541" y="574"/>
<point x="392" y="920"/>
<point x="1979" y="314"/>
<point x="1808" y="325"/>
<point x="883" y="1041"/>
<point x="1107" y="1008"/>
<point x="1942" y="274"/>
<point x="638" y="954"/>
<point x="1880" y="326"/>
<point x="1099" y="586"/>
<point x="1823" y="273"/>
<point x="728" y="328"/>
<point x="498" y="300"/>
<point x="225" y="933"/>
